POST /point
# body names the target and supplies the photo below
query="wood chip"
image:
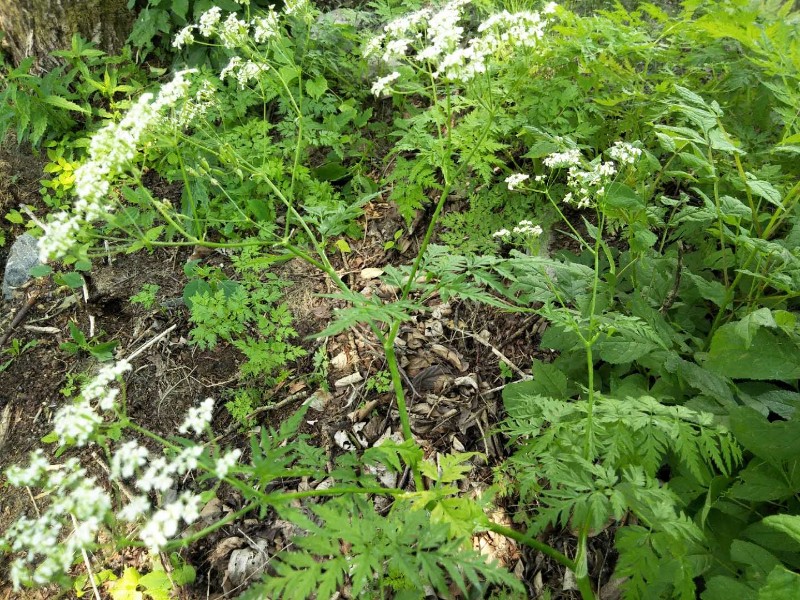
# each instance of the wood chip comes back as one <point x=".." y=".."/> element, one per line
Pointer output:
<point x="371" y="273"/>
<point x="348" y="380"/>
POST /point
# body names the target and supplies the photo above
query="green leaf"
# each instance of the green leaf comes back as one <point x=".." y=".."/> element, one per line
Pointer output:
<point x="758" y="562"/>
<point x="764" y="189"/>
<point x="40" y="271"/>
<point x="104" y="351"/>
<point x="60" y="102"/>
<point x="194" y="287"/>
<point x="788" y="524"/>
<point x="180" y="8"/>
<point x="72" y="279"/>
<point x="761" y="482"/>
<point x="773" y="442"/>
<point x="727" y="588"/>
<point x="619" y="195"/>
<point x="739" y="354"/>
<point x="709" y="290"/>
<point x="316" y="87"/>
<point x="781" y="585"/>
<point x="621" y="349"/>
<point x="332" y="171"/>
<point x="342" y="246"/>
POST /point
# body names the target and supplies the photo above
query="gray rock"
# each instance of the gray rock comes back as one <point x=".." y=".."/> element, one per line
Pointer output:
<point x="24" y="255"/>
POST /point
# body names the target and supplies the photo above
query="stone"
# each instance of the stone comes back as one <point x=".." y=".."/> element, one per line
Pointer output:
<point x="24" y="255"/>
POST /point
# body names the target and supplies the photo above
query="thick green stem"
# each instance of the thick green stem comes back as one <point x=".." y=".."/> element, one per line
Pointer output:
<point x="584" y="585"/>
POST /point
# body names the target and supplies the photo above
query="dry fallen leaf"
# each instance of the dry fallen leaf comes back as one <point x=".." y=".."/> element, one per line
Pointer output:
<point x="371" y="273"/>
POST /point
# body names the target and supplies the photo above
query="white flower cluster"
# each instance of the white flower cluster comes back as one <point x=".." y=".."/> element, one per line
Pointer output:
<point x="589" y="184"/>
<point x="527" y="228"/>
<point x="568" y="158"/>
<point x="75" y="423"/>
<point x="266" y="26"/>
<point x="514" y="180"/>
<point x="110" y="152"/>
<point x="198" y="417"/>
<point x="441" y="40"/>
<point x="624" y="152"/>
<point x="163" y="524"/>
<point x="381" y="84"/>
<point x="50" y="542"/>
<point x="185" y="37"/>
<point x="524" y="228"/>
<point x="243" y="70"/>
<point x="234" y="32"/>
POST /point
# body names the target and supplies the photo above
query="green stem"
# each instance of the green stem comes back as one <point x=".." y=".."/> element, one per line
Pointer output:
<point x="584" y="585"/>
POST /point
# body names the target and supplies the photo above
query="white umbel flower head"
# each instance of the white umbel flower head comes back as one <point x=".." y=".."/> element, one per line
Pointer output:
<point x="514" y="180"/>
<point x="226" y="462"/>
<point x="75" y="423"/>
<point x="379" y="87"/>
<point x="198" y="417"/>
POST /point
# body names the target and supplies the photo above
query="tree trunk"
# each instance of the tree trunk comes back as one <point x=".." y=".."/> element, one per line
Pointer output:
<point x="37" y="27"/>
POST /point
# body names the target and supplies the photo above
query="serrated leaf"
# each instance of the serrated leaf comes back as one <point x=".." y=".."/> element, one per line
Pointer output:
<point x="764" y="189"/>
<point x="621" y="349"/>
<point x="768" y="355"/>
<point x="773" y="442"/>
<point x="60" y="102"/>
<point x="761" y="482"/>
<point x="709" y="290"/>
<point x="788" y="524"/>
<point x="621" y="196"/>
<point x="781" y="584"/>
<point x="316" y="87"/>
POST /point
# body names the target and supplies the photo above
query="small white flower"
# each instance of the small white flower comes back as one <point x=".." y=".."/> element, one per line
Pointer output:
<point x="191" y="507"/>
<point x="265" y="27"/>
<point x="198" y="417"/>
<point x="234" y="32"/>
<point x="99" y="387"/>
<point x="607" y="169"/>
<point x="187" y="459"/>
<point x="569" y="158"/>
<point x="225" y="462"/>
<point x="30" y="475"/>
<point x="209" y="19"/>
<point x="232" y="65"/>
<point x="528" y="228"/>
<point x="138" y="506"/>
<point x="501" y="233"/>
<point x="157" y="476"/>
<point x="549" y="8"/>
<point x="381" y="84"/>
<point x="185" y="37"/>
<point x="75" y="423"/>
<point x="514" y="180"/>
<point x="128" y="457"/>
<point x="156" y="532"/>
<point x="624" y="152"/>
<point x="396" y="49"/>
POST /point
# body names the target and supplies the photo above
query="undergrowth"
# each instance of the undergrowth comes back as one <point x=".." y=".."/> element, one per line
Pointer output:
<point x="628" y="175"/>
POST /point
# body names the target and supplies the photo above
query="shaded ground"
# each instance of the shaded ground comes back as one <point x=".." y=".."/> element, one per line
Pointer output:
<point x="449" y="355"/>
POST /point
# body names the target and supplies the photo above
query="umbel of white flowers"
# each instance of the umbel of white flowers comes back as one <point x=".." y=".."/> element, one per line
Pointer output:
<point x="111" y="151"/>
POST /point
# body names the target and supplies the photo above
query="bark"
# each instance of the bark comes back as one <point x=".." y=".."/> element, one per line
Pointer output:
<point x="37" y="27"/>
